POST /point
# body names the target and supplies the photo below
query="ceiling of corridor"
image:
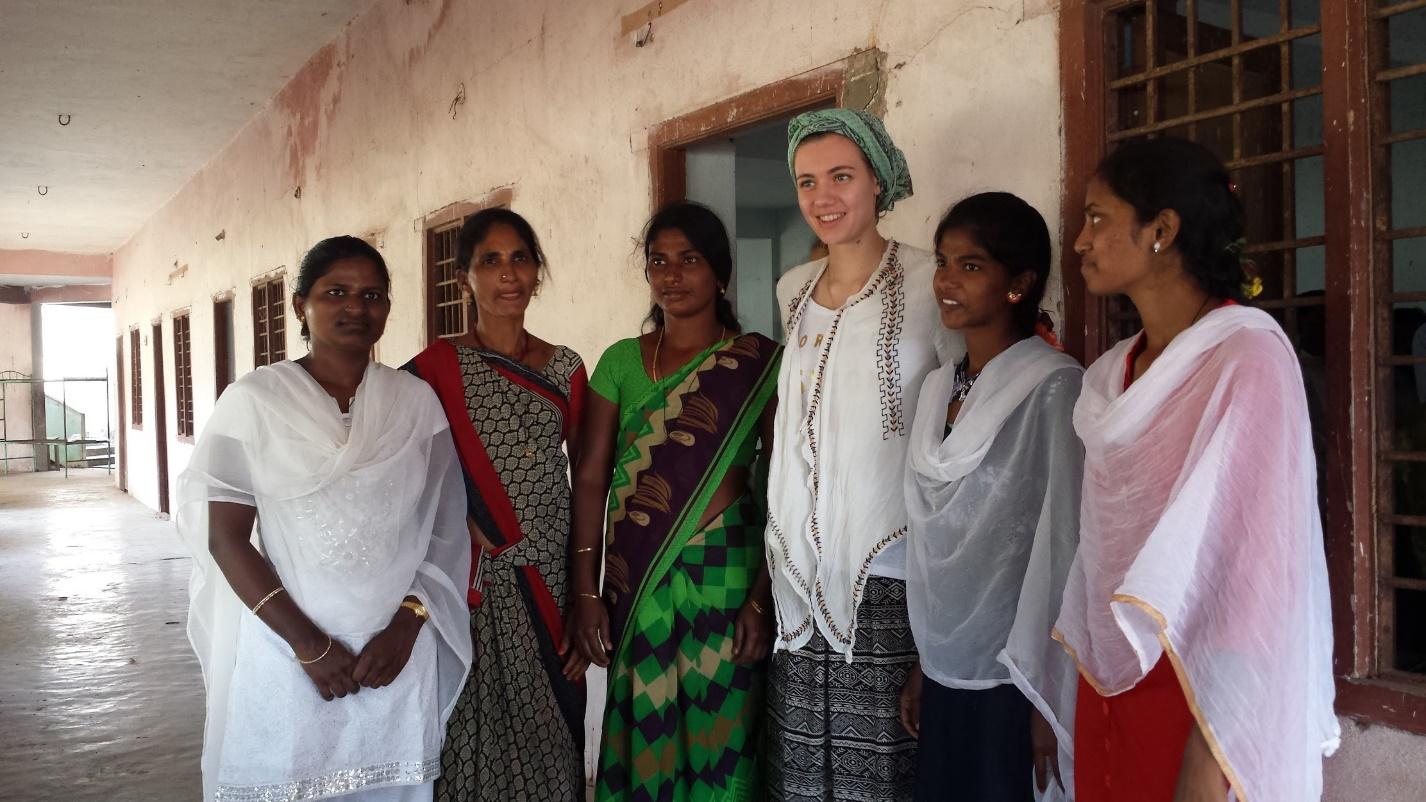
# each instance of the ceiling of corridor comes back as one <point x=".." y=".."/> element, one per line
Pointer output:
<point x="150" y="91"/>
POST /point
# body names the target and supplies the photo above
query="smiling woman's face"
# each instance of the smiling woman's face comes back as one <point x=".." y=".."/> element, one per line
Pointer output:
<point x="836" y="189"/>
<point x="346" y="308"/>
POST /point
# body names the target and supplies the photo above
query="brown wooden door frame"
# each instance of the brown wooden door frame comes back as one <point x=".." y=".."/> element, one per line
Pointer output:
<point x="853" y="81"/>
<point x="119" y="379"/>
<point x="160" y="409"/>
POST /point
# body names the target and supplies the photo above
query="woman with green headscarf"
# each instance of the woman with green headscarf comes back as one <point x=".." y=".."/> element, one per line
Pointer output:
<point x="862" y="332"/>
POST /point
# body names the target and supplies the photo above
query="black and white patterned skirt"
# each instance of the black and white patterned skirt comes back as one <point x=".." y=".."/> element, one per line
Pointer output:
<point x="834" y="728"/>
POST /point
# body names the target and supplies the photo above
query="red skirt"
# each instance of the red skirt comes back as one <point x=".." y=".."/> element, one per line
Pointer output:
<point x="1129" y="747"/>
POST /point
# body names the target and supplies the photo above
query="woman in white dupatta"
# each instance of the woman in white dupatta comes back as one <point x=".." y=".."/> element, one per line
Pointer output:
<point x="861" y="335"/>
<point x="992" y="489"/>
<point x="333" y="644"/>
<point x="1197" y="607"/>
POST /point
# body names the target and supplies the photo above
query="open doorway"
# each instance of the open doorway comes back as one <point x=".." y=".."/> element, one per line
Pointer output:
<point x="744" y="178"/>
<point x="79" y="426"/>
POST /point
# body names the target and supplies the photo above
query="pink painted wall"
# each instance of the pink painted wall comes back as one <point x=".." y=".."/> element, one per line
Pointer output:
<point x="51" y="263"/>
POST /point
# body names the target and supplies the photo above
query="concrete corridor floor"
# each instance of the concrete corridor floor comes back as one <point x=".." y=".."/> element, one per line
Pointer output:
<point x="100" y="695"/>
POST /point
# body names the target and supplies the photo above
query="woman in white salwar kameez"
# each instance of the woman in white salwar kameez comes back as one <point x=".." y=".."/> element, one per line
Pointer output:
<point x="992" y="490"/>
<point x="1197" y="607"/>
<point x="326" y="515"/>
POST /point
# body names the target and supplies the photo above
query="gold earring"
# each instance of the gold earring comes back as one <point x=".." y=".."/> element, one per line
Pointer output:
<point x="1013" y="296"/>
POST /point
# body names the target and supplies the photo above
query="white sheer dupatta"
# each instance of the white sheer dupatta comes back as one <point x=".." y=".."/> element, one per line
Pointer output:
<point x="994" y="521"/>
<point x="351" y="521"/>
<point x="1200" y="539"/>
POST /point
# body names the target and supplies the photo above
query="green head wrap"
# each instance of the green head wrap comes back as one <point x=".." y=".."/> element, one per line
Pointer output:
<point x="886" y="160"/>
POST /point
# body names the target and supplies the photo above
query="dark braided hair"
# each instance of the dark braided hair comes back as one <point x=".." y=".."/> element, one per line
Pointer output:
<point x="706" y="232"/>
<point x="1170" y="173"/>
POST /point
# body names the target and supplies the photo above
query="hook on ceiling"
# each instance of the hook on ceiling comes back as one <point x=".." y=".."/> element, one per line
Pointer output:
<point x="24" y="235"/>
<point x="64" y="119"/>
<point x="43" y="189"/>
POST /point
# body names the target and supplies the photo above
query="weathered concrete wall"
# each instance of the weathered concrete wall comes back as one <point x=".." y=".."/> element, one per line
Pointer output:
<point x="559" y="105"/>
<point x="15" y="355"/>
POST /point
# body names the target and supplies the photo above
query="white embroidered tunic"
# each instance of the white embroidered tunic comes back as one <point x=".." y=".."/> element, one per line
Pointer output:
<point x="353" y="516"/>
<point x="835" y="494"/>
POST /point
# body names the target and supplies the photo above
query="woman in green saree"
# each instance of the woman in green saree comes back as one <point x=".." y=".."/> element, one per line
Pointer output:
<point x="684" y="619"/>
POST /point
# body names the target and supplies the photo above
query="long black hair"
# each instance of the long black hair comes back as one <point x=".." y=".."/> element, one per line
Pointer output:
<point x="1170" y="173"/>
<point x="706" y="232"/>
<point x="318" y="262"/>
<point x="1015" y="235"/>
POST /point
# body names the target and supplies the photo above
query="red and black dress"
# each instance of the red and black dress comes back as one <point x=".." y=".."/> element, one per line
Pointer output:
<point x="518" y="728"/>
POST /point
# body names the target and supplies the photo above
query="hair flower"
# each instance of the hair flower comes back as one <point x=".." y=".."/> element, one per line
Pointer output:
<point x="1253" y="287"/>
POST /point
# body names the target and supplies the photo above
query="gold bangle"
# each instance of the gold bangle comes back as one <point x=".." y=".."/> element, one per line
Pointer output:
<point x="583" y="550"/>
<point x="264" y="599"/>
<point x="757" y="608"/>
<point x="319" y="657"/>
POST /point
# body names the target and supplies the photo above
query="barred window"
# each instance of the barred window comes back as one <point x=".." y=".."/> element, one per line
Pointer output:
<point x="1397" y="39"/>
<point x="269" y="323"/>
<point x="136" y="380"/>
<point x="448" y="310"/>
<point x="183" y="370"/>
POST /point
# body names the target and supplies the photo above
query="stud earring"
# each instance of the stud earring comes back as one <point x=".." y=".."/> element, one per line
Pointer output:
<point x="1013" y="296"/>
<point x="1157" y="247"/>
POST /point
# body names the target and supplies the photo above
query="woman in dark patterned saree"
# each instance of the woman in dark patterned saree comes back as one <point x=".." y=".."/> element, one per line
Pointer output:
<point x="513" y="402"/>
<point x="684" y="620"/>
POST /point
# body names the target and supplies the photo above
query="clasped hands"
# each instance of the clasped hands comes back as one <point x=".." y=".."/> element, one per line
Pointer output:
<point x="339" y="672"/>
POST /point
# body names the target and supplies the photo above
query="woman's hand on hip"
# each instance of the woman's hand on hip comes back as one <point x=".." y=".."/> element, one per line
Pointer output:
<point x="752" y="633"/>
<point x="589" y="629"/>
<point x="385" y="655"/>
<point x="332" y="673"/>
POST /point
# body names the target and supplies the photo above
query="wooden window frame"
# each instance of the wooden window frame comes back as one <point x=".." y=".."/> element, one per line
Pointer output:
<point x="1350" y="522"/>
<point x="269" y="340"/>
<point x="435" y="224"/>
<point x="183" y="374"/>
<point x="136" y="381"/>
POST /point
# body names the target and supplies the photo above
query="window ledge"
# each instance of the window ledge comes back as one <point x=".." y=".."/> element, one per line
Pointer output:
<point x="1398" y="703"/>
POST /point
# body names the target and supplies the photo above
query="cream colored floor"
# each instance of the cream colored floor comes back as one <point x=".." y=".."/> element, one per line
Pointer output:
<point x="100" y="695"/>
